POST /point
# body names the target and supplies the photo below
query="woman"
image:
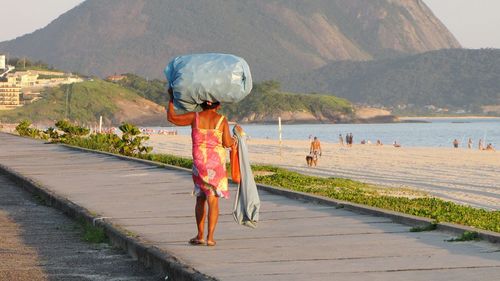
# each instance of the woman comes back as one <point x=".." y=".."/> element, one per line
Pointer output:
<point x="210" y="135"/>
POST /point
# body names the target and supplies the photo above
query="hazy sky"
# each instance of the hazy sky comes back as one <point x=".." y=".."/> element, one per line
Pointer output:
<point x="475" y="23"/>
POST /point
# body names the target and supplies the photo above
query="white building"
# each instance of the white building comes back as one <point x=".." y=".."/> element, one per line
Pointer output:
<point x="2" y="62"/>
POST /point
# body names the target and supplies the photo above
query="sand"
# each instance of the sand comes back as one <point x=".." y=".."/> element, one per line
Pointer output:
<point x="464" y="176"/>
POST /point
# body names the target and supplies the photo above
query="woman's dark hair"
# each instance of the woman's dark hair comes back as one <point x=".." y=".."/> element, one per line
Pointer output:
<point x="209" y="105"/>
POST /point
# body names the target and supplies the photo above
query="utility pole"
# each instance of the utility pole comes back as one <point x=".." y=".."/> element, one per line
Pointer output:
<point x="67" y="102"/>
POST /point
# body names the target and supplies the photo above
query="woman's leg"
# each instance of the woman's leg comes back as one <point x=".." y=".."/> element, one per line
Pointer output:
<point x="200" y="215"/>
<point x="213" y="216"/>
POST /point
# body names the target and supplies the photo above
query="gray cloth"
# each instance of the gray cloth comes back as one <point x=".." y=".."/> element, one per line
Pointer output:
<point x="208" y="77"/>
<point x="247" y="202"/>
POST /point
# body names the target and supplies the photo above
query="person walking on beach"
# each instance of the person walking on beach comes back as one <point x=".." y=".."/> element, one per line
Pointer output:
<point x="455" y="143"/>
<point x="210" y="136"/>
<point x="469" y="143"/>
<point x="315" y="150"/>
<point x="341" y="140"/>
<point x="480" y="145"/>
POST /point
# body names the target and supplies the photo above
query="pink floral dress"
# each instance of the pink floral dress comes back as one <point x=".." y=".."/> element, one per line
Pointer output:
<point x="209" y="161"/>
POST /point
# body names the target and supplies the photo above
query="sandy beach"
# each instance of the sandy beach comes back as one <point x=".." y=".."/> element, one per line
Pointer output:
<point x="469" y="177"/>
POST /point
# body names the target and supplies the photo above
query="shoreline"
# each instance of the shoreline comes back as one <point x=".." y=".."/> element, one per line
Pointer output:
<point x="448" y="117"/>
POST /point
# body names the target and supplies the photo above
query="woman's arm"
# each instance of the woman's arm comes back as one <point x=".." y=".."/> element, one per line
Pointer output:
<point x="178" y="119"/>
<point x="227" y="139"/>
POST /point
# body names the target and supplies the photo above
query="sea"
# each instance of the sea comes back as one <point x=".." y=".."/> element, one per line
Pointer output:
<point x="419" y="132"/>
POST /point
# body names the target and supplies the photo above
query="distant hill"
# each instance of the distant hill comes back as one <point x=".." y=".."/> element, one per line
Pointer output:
<point x="276" y="36"/>
<point x="265" y="104"/>
<point x="85" y="102"/>
<point x="467" y="79"/>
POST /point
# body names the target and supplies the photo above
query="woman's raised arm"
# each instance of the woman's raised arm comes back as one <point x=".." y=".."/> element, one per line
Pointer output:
<point x="178" y="119"/>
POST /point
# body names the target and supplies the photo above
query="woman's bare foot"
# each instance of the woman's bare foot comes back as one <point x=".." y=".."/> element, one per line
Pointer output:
<point x="211" y="243"/>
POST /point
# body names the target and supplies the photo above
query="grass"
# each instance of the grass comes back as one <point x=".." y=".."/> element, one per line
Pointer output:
<point x="361" y="193"/>
<point x="466" y="236"/>
<point x="429" y="227"/>
<point x="93" y="234"/>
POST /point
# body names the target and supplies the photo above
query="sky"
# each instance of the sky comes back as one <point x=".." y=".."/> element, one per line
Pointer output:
<point x="475" y="23"/>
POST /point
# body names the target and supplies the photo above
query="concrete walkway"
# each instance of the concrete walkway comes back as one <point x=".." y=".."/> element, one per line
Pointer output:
<point x="295" y="240"/>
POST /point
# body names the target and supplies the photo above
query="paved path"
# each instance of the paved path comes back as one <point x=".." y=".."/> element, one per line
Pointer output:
<point x="295" y="240"/>
<point x="39" y="243"/>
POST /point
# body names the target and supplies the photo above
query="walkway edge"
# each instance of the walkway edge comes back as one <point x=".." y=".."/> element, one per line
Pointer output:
<point x="396" y="217"/>
<point x="148" y="254"/>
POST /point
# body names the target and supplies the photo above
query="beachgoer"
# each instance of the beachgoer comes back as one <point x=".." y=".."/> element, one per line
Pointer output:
<point x="396" y="144"/>
<point x="469" y="143"/>
<point x="347" y="139"/>
<point x="489" y="147"/>
<point x="455" y="143"/>
<point x="379" y="142"/>
<point x="351" y="139"/>
<point x="315" y="150"/>
<point x="480" y="146"/>
<point x="341" y="140"/>
<point x="210" y="135"/>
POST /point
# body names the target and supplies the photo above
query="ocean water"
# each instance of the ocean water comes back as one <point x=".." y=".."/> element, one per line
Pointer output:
<point x="437" y="133"/>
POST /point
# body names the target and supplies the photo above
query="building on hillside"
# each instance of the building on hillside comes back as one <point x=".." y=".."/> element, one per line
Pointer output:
<point x="2" y="62"/>
<point x="25" y="78"/>
<point x="9" y="94"/>
<point x="115" y="78"/>
<point x="28" y="97"/>
<point x="49" y="73"/>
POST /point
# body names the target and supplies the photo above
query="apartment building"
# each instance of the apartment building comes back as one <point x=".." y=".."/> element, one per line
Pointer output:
<point x="9" y="94"/>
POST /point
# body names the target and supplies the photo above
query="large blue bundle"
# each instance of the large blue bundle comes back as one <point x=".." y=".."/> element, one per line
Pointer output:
<point x="208" y="77"/>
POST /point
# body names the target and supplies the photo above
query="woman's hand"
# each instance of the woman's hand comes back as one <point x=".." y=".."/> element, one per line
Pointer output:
<point x="238" y="128"/>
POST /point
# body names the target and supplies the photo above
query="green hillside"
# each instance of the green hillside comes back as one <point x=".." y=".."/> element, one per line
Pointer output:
<point x="454" y="79"/>
<point x="268" y="99"/>
<point x="80" y="102"/>
<point x="153" y="90"/>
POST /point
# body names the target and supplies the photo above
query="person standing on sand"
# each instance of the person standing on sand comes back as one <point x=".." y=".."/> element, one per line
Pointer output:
<point x="469" y="143"/>
<point x="315" y="150"/>
<point x="455" y="143"/>
<point x="210" y="136"/>
<point x="341" y="140"/>
<point x="480" y="146"/>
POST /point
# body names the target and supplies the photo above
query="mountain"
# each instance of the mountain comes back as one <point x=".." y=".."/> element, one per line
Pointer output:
<point x="466" y="79"/>
<point x="85" y="102"/>
<point x="276" y="37"/>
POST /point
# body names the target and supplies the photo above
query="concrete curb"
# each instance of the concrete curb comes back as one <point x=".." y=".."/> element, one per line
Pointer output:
<point x="151" y="256"/>
<point x="397" y="217"/>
